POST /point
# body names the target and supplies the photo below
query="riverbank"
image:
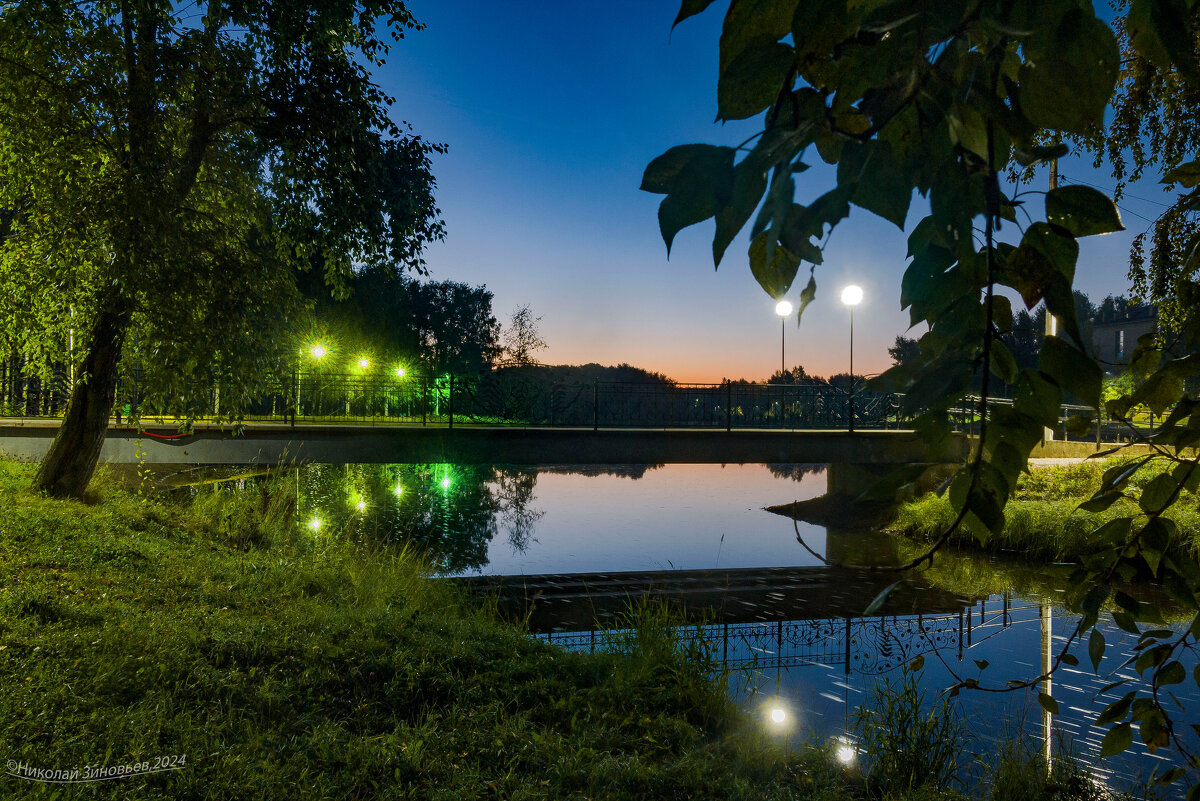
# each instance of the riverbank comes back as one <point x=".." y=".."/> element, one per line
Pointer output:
<point x="1042" y="521"/>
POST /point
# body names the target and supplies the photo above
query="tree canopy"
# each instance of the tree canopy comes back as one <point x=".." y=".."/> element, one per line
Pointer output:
<point x="942" y="99"/>
<point x="164" y="172"/>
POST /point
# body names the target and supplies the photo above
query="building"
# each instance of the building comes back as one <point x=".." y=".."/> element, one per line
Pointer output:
<point x="1115" y="331"/>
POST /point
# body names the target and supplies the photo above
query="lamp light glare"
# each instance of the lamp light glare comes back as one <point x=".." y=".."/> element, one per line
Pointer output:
<point x="399" y="372"/>
<point x="845" y="754"/>
<point x="399" y="490"/>
<point x="852" y="295"/>
<point x="783" y="308"/>
<point x="318" y="351"/>
<point x="364" y="363"/>
<point x="445" y="483"/>
<point x="315" y="524"/>
<point x="778" y="715"/>
<point x="361" y="506"/>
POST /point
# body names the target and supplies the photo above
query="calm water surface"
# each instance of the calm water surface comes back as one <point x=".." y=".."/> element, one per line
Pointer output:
<point x="790" y="625"/>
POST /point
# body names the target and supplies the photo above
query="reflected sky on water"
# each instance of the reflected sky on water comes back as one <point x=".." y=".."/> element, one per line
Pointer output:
<point x="561" y="519"/>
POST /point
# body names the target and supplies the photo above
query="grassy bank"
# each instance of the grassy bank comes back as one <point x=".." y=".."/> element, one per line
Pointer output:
<point x="1041" y="519"/>
<point x="283" y="663"/>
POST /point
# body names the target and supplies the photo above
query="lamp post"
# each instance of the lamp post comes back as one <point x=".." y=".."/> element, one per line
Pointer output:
<point x="317" y="352"/>
<point x="852" y="295"/>
<point x="783" y="308"/>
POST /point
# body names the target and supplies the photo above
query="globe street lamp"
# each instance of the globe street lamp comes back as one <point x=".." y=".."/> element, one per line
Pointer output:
<point x="852" y="295"/>
<point x="317" y="352"/>
<point x="784" y="309"/>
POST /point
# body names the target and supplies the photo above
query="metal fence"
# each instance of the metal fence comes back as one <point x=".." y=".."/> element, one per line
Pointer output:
<point x="522" y="399"/>
<point x="497" y="399"/>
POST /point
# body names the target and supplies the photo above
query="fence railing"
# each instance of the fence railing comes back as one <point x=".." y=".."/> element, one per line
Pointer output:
<point x="504" y="398"/>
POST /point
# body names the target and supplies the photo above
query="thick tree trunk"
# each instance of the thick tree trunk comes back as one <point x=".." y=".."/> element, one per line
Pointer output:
<point x="68" y="465"/>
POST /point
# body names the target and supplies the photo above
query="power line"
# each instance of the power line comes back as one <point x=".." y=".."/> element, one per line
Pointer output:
<point x="1118" y="205"/>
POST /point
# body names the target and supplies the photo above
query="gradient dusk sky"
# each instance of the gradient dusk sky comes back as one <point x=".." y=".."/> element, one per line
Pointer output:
<point x="551" y="110"/>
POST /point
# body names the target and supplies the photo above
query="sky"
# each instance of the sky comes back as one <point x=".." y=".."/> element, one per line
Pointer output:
<point x="551" y="111"/>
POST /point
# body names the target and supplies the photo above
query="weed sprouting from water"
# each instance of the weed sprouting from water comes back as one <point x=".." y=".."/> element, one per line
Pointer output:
<point x="906" y="747"/>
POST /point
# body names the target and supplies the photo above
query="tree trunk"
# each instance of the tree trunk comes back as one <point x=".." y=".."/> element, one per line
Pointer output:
<point x="68" y="465"/>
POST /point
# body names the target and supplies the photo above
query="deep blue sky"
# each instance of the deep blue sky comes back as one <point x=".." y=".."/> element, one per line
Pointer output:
<point x="551" y="110"/>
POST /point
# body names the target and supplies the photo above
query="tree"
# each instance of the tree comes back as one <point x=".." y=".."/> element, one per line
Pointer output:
<point x="904" y="351"/>
<point x="167" y="170"/>
<point x="940" y="99"/>
<point x="1154" y="127"/>
<point x="440" y="326"/>
<point x="521" y="338"/>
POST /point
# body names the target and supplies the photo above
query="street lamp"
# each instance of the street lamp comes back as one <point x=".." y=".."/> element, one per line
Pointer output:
<point x="852" y="295"/>
<point x="784" y="309"/>
<point x="317" y="352"/>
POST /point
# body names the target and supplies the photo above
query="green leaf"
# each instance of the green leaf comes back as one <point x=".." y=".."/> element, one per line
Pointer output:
<point x="776" y="277"/>
<point x="881" y="185"/>
<point x="1159" y="31"/>
<point x="1170" y="673"/>
<point x="751" y="22"/>
<point x="1048" y="703"/>
<point x="690" y="8"/>
<point x="1096" y="649"/>
<point x="1067" y="79"/>
<point x="698" y="189"/>
<point x="753" y="80"/>
<point x="982" y="664"/>
<point x="1082" y="210"/>
<point x="1186" y="174"/>
<point x="749" y="183"/>
<point x="916" y="664"/>
<point x="1100" y="501"/>
<point x="1037" y="398"/>
<point x="880" y="599"/>
<point x="661" y="173"/>
<point x="1116" y="710"/>
<point x="1003" y="364"/>
<point x="1157" y="493"/>
<point x="807" y="295"/>
<point x="1118" y="738"/>
<point x="1075" y="372"/>
<point x="1040" y="153"/>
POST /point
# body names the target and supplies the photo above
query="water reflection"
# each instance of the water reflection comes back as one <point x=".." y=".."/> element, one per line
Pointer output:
<point x="499" y="519"/>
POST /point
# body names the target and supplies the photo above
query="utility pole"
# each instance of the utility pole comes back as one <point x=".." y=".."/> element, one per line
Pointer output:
<point x="1051" y="320"/>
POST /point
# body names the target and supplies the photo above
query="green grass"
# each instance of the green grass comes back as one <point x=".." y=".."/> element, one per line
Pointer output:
<point x="1041" y="520"/>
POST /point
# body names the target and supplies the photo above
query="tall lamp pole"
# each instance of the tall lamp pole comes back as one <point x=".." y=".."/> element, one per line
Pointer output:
<point x="852" y="295"/>
<point x="784" y="309"/>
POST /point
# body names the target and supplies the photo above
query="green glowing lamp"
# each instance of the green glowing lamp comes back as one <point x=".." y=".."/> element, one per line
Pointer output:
<point x="315" y="524"/>
<point x="318" y="351"/>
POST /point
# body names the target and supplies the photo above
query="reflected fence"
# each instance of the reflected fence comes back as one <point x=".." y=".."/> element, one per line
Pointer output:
<point x="517" y="398"/>
<point x="864" y="645"/>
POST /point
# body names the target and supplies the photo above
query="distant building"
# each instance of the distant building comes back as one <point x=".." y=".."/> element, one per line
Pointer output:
<point x="1116" y="328"/>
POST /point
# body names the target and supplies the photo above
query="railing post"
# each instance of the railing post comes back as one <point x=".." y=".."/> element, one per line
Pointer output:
<point x="595" y="404"/>
<point x="728" y="405"/>
<point x="450" y="401"/>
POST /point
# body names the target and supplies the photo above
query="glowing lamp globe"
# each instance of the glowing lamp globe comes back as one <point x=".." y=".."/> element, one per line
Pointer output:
<point x="364" y="363"/>
<point x="783" y="308"/>
<point x="852" y="295"/>
<point x="318" y="351"/>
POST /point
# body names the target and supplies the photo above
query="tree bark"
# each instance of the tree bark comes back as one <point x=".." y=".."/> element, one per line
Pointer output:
<point x="68" y="465"/>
